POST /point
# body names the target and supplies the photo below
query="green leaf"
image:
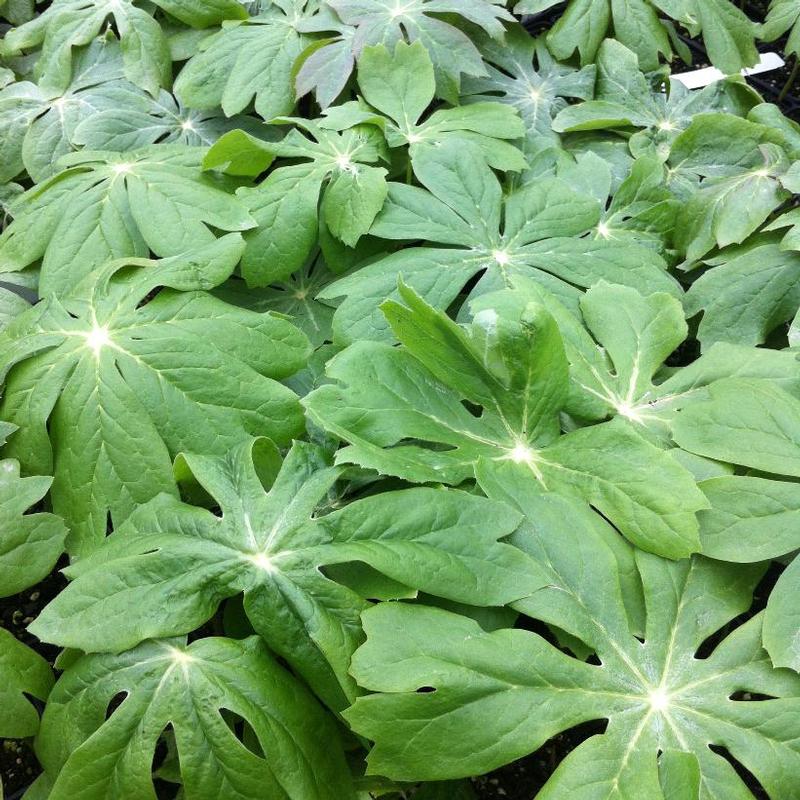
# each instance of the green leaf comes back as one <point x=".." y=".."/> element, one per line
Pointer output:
<point x="625" y="98"/>
<point x="325" y="65"/>
<point x="68" y="24"/>
<point x="750" y="519"/>
<point x="106" y="205"/>
<point x="451" y="51"/>
<point x="30" y="544"/>
<point x="749" y="422"/>
<point x="655" y="693"/>
<point x="615" y="357"/>
<point x="247" y="62"/>
<point x="200" y="691"/>
<point x="782" y="619"/>
<point x="39" y="125"/>
<point x="541" y="228"/>
<point x="524" y="75"/>
<point x="403" y="413"/>
<point x="293" y="296"/>
<point x="12" y="304"/>
<point x="22" y="672"/>
<point x="746" y="293"/>
<point x="285" y="204"/>
<point x="401" y="86"/>
<point x="740" y="164"/>
<point x="137" y="120"/>
<point x="728" y="34"/>
<point x="167" y="569"/>
<point x="352" y="200"/>
<point x="121" y="384"/>
<point x="783" y="16"/>
<point x="679" y="775"/>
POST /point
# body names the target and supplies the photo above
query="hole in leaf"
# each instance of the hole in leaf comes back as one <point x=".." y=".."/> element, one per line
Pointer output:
<point x="235" y="623"/>
<point x="476" y="411"/>
<point x="166" y="766"/>
<point x="426" y="690"/>
<point x="163" y="747"/>
<point x="212" y="627"/>
<point x="536" y="626"/>
<point x="747" y="777"/>
<point x="684" y="354"/>
<point x="243" y="731"/>
<point x="115" y="702"/>
<point x="742" y="696"/>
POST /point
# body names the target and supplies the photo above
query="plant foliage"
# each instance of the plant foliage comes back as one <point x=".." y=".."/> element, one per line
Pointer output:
<point x="387" y="394"/>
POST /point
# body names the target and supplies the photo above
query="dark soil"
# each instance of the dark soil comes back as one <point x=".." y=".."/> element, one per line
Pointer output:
<point x="522" y="779"/>
<point x="18" y="765"/>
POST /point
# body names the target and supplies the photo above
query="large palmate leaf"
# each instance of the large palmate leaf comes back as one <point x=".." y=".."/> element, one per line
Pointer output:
<point x="727" y="32"/>
<point x="617" y="342"/>
<point x="30" y="544"/>
<point x="405" y="412"/>
<point x="334" y="166"/>
<point x="401" y="86"/>
<point x="523" y="74"/>
<point x="498" y="696"/>
<point x="248" y="61"/>
<point x="741" y="168"/>
<point x="93" y="748"/>
<point x="143" y="120"/>
<point x="121" y="384"/>
<point x="37" y="126"/>
<point x="116" y="205"/>
<point x="747" y="292"/>
<point x="625" y="99"/>
<point x="430" y="22"/>
<point x="540" y="229"/>
<point x="22" y="672"/>
<point x="68" y="24"/>
<point x="171" y="564"/>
